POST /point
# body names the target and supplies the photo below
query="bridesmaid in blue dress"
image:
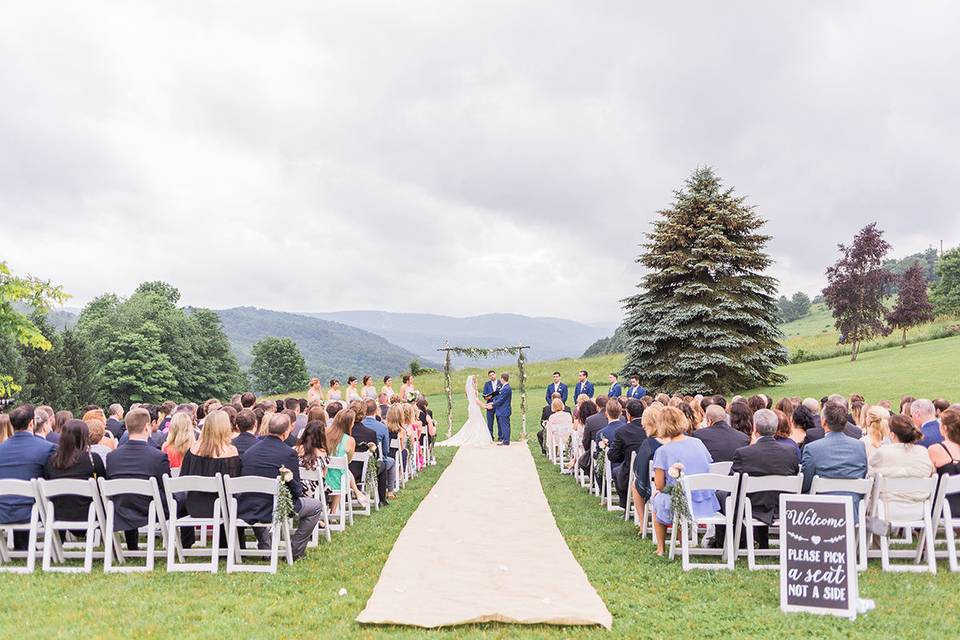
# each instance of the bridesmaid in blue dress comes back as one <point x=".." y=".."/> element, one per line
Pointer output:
<point x="693" y="455"/>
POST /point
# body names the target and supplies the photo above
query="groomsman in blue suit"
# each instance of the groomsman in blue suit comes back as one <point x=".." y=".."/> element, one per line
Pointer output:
<point x="490" y="390"/>
<point x="615" y="390"/>
<point x="635" y="391"/>
<point x="584" y="386"/>
<point x="557" y="387"/>
<point x="501" y="408"/>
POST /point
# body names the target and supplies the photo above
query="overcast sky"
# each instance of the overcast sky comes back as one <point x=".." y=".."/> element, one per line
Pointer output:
<point x="458" y="157"/>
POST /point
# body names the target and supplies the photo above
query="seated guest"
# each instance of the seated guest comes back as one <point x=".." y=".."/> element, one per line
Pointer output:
<point x="835" y="455"/>
<point x="592" y="427"/>
<point x="366" y="441"/>
<point x="211" y="455"/>
<point x="43" y="420"/>
<point x="73" y="460"/>
<point x="902" y="458"/>
<point x="812" y="405"/>
<point x="265" y="459"/>
<point x="60" y="419"/>
<point x="627" y="441"/>
<point x="766" y="457"/>
<point x="394" y="422"/>
<point x="719" y="437"/>
<point x="641" y="466"/>
<point x="545" y="414"/>
<point x="679" y="448"/>
<point x="340" y="444"/>
<point x="247" y="424"/>
<point x="137" y="459"/>
<point x="741" y="419"/>
<point x="945" y="455"/>
<point x="876" y="422"/>
<point x="332" y="409"/>
<point x="385" y="475"/>
<point x="115" y="420"/>
<point x="312" y="452"/>
<point x="615" y="421"/>
<point x="99" y="444"/>
<point x="179" y="439"/>
<point x="6" y="429"/>
<point x="924" y="416"/>
<point x="940" y="404"/>
<point x="783" y="433"/>
<point x="797" y="433"/>
<point x="559" y="422"/>
<point x="23" y="456"/>
<point x="849" y="429"/>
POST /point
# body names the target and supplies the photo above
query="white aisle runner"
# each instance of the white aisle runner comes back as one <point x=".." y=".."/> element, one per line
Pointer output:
<point x="483" y="546"/>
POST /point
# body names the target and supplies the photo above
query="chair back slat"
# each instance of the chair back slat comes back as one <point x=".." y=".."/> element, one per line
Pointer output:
<point x="715" y="481"/>
<point x="20" y="488"/>
<point x="202" y="484"/>
<point x="861" y="486"/>
<point x="337" y="462"/>
<point x="908" y="485"/>
<point x="250" y="484"/>
<point x="68" y="487"/>
<point x="126" y="486"/>
<point x="786" y="484"/>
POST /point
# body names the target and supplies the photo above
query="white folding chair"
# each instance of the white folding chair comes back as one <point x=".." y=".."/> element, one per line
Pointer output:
<point x="560" y="439"/>
<point x="398" y="475"/>
<point x="750" y="485"/>
<point x="201" y="484"/>
<point x="609" y="489"/>
<point x="342" y="516"/>
<point x="922" y="521"/>
<point x="721" y="468"/>
<point x="711" y="482"/>
<point x="864" y="487"/>
<point x="577" y="453"/>
<point x="647" y="515"/>
<point x="21" y="489"/>
<point x="93" y="526"/>
<point x="631" y="510"/>
<point x="109" y="489"/>
<point x="363" y="457"/>
<point x="594" y="489"/>
<point x="944" y="517"/>
<point x="320" y="495"/>
<point x="233" y="488"/>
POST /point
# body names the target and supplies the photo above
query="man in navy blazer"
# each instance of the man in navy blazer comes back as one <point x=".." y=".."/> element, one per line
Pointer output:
<point x="557" y="387"/>
<point x="835" y="455"/>
<point x="502" y="409"/>
<point x="385" y="477"/>
<point x="721" y="440"/>
<point x="265" y="459"/>
<point x="635" y="391"/>
<point x="115" y="420"/>
<point x="615" y="389"/>
<point x="136" y="458"/>
<point x="627" y="441"/>
<point x="246" y="422"/>
<point x="584" y="386"/>
<point x="22" y="457"/>
<point x="490" y="388"/>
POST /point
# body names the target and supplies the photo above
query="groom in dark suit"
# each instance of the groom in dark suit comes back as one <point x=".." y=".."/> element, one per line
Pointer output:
<point x="501" y="408"/>
<point x="490" y="390"/>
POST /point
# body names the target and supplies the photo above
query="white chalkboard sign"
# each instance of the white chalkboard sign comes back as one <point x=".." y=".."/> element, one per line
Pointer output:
<point x="818" y="561"/>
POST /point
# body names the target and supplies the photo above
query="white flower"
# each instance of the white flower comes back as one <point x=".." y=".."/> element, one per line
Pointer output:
<point x="675" y="470"/>
<point x="285" y="474"/>
<point x="603" y="443"/>
<point x="342" y="591"/>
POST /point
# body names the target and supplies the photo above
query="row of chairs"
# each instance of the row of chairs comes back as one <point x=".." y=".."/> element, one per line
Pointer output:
<point x="932" y="519"/>
<point x="56" y="541"/>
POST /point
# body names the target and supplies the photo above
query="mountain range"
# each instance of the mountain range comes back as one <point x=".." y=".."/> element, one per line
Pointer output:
<point x="342" y="343"/>
<point x="423" y="333"/>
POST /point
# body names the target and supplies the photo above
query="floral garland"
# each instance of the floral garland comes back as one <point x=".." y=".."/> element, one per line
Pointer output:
<point x="678" y="495"/>
<point x="483" y="352"/>
<point x="373" y="467"/>
<point x="283" y="510"/>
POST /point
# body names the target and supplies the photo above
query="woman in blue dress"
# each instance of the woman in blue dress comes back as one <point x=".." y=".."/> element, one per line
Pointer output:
<point x="679" y="448"/>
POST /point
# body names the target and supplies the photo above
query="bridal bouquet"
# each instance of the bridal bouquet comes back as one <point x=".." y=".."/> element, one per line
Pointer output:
<point x="284" y="506"/>
<point x="373" y="466"/>
<point x="678" y="495"/>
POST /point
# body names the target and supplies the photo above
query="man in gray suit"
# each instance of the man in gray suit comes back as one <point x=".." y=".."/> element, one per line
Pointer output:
<point x="835" y="455"/>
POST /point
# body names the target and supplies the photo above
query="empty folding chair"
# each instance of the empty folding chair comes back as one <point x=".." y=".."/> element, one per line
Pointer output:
<point x="749" y="487"/>
<point x="864" y="487"/>
<point x="711" y="482"/>
<point x="109" y="489"/>
<point x="279" y="531"/>
<point x="342" y="515"/>
<point x="201" y="484"/>
<point x="26" y="489"/>
<point x="944" y="517"/>
<point x="909" y="518"/>
<point x="92" y="527"/>
<point x="319" y="494"/>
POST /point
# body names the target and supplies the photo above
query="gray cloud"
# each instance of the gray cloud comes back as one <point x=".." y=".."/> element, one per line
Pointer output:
<point x="413" y="156"/>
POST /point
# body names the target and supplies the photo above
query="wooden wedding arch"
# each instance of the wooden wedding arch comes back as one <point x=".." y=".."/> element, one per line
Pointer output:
<point x="485" y="352"/>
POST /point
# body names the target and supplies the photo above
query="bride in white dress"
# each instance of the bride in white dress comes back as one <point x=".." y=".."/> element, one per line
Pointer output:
<point x="474" y="433"/>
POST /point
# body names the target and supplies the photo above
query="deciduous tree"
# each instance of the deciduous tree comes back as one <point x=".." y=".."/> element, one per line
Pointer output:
<point x="913" y="305"/>
<point x="278" y="366"/>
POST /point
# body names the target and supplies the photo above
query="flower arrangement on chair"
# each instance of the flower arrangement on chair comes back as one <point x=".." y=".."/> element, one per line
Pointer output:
<point x="678" y="495"/>
<point x="373" y="466"/>
<point x="284" y="509"/>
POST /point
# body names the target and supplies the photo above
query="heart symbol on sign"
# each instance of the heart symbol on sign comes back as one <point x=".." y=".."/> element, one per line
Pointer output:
<point x="815" y="539"/>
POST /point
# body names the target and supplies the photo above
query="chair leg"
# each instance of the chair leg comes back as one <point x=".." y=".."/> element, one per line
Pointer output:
<point x="215" y="548"/>
<point x="684" y="544"/>
<point x="928" y="533"/>
<point x="108" y="549"/>
<point x="275" y="533"/>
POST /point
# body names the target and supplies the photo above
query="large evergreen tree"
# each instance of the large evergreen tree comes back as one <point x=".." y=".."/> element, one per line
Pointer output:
<point x="705" y="320"/>
<point x="278" y="366"/>
<point x="946" y="292"/>
<point x="913" y="305"/>
<point x="81" y="378"/>
<point x="44" y="382"/>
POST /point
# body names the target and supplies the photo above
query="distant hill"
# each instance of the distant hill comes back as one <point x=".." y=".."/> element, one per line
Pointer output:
<point x="421" y="333"/>
<point x="331" y="349"/>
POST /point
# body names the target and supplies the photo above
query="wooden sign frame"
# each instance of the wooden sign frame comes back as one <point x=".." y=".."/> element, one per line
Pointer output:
<point x="853" y="591"/>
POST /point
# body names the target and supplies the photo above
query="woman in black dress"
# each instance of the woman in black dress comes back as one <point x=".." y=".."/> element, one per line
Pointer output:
<point x="73" y="459"/>
<point x="211" y="455"/>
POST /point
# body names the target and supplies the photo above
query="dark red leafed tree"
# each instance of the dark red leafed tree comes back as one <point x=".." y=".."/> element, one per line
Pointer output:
<point x="913" y="305"/>
<point x="855" y="286"/>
